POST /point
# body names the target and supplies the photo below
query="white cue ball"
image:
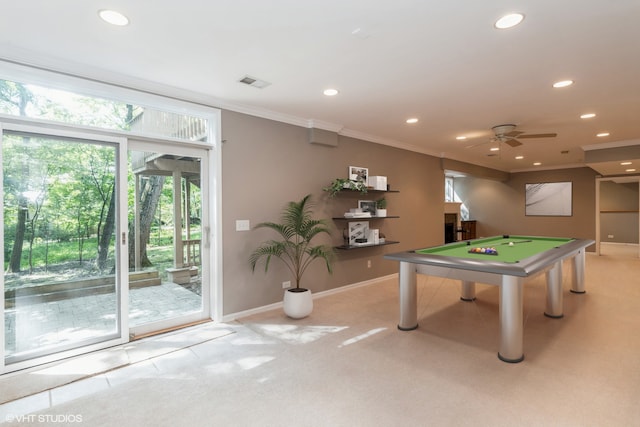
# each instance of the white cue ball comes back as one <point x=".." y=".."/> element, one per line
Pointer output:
<point x="510" y="243"/>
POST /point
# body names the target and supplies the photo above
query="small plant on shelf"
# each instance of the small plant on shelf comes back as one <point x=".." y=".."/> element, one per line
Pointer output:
<point x="340" y="184"/>
<point x="381" y="207"/>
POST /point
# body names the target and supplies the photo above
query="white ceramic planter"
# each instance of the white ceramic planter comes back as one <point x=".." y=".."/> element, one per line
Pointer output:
<point x="298" y="303"/>
<point x="381" y="212"/>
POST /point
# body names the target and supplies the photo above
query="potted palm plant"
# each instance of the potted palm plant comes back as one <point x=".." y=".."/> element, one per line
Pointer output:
<point x="295" y="249"/>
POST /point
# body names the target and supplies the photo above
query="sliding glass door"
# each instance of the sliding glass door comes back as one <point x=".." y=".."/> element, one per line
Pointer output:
<point x="168" y="246"/>
<point x="61" y="283"/>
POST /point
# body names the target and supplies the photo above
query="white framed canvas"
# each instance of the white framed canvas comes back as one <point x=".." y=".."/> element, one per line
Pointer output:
<point x="549" y="199"/>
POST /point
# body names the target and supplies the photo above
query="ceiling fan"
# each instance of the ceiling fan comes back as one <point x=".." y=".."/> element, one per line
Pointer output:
<point x="508" y="135"/>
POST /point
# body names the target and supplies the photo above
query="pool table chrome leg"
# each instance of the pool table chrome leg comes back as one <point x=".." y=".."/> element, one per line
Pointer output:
<point x="468" y="291"/>
<point x="577" y="282"/>
<point x="408" y="282"/>
<point x="511" y="320"/>
<point x="554" y="291"/>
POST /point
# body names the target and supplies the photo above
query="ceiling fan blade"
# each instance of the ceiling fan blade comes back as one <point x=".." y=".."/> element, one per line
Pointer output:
<point x="538" y="135"/>
<point x="513" y="142"/>
<point x="478" y="144"/>
<point x="514" y="134"/>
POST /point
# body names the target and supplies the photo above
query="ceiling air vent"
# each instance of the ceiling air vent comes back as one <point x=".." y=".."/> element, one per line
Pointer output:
<point x="252" y="81"/>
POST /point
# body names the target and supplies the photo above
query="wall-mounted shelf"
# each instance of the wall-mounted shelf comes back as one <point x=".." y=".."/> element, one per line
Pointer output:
<point x="351" y="192"/>
<point x="346" y="247"/>
<point x="348" y="190"/>
<point x="365" y="218"/>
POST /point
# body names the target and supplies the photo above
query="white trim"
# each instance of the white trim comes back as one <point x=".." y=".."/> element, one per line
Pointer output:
<point x="613" y="144"/>
<point x="257" y="310"/>
<point x="3" y="339"/>
<point x="215" y="222"/>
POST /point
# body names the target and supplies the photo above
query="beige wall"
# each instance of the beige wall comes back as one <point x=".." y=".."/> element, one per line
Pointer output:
<point x="499" y="206"/>
<point x="619" y="212"/>
<point x="267" y="164"/>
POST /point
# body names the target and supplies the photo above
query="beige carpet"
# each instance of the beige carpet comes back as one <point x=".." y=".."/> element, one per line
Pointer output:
<point x="348" y="365"/>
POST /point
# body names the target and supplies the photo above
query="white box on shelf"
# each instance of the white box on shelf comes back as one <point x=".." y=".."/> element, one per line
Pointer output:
<point x="374" y="236"/>
<point x="378" y="182"/>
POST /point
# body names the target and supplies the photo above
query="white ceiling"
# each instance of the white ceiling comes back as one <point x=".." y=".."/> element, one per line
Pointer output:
<point x="442" y="62"/>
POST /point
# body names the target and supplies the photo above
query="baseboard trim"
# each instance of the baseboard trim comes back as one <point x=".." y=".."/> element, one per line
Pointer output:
<point x="264" y="308"/>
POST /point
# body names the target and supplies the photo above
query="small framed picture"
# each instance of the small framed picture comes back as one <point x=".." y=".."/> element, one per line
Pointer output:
<point x="367" y="206"/>
<point x="357" y="173"/>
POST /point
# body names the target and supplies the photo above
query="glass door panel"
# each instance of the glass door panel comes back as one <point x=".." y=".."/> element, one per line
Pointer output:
<point x="61" y="287"/>
<point x="165" y="245"/>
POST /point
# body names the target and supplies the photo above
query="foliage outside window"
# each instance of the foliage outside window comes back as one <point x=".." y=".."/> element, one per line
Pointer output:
<point x="38" y="102"/>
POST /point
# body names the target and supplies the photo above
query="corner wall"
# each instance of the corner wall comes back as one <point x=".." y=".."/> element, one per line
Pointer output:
<point x="267" y="164"/>
<point x="499" y="207"/>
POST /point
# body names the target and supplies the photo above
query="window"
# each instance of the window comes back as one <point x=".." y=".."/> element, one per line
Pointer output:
<point x="29" y="100"/>
<point x="449" y="195"/>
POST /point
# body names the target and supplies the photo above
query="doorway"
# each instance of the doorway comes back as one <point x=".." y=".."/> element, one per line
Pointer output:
<point x="617" y="220"/>
<point x="104" y="239"/>
<point x="168" y="225"/>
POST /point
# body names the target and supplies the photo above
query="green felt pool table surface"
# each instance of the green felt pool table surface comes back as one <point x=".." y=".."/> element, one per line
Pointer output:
<point x="523" y="247"/>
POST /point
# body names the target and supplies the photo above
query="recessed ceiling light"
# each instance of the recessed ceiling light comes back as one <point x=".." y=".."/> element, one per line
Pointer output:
<point x="495" y="149"/>
<point x="113" y="17"/>
<point x="630" y="170"/>
<point x="519" y="157"/>
<point x="509" y="21"/>
<point x="537" y="164"/>
<point x="563" y="83"/>
<point x="625" y="163"/>
<point x="602" y="134"/>
<point x="588" y="116"/>
<point x="461" y="138"/>
<point x="412" y="120"/>
<point x="330" y="92"/>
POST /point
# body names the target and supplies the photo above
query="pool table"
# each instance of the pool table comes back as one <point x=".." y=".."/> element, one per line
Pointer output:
<point x="516" y="259"/>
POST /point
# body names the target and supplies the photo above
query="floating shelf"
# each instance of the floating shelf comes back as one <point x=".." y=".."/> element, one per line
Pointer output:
<point x="348" y="248"/>
<point x="364" y="218"/>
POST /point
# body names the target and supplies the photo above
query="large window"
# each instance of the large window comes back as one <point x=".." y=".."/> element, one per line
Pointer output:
<point x="28" y="100"/>
<point x="109" y="215"/>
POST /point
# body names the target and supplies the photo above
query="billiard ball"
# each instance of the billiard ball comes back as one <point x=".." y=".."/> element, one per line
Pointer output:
<point x="510" y="243"/>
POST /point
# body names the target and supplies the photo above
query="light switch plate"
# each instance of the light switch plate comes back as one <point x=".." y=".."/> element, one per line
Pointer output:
<point x="243" y="225"/>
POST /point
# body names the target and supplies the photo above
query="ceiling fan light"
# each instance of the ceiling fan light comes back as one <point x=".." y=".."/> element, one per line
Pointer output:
<point x="509" y="21"/>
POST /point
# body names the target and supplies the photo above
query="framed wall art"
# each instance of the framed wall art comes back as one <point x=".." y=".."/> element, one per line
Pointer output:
<point x="549" y="199"/>
<point x="367" y="206"/>
<point x="358" y="173"/>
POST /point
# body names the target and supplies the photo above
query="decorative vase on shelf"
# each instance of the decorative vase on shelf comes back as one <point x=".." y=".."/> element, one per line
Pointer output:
<point x="381" y="212"/>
